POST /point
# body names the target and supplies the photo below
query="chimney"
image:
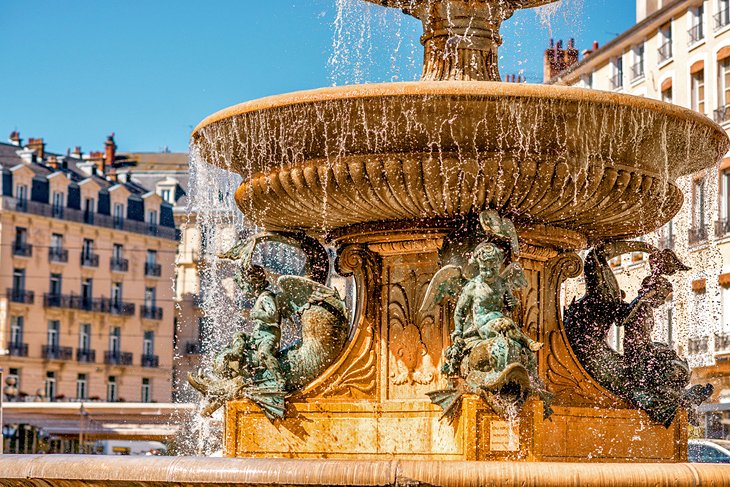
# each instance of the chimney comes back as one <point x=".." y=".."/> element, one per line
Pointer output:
<point x="53" y="162"/>
<point x="110" y="152"/>
<point x="77" y="152"/>
<point x="15" y="138"/>
<point x="558" y="59"/>
<point x="588" y="52"/>
<point x="38" y="146"/>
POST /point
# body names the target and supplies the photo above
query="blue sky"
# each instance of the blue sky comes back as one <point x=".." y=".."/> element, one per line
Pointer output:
<point x="74" y="71"/>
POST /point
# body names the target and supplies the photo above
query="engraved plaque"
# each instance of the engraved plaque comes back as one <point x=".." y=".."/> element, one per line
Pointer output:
<point x="504" y="436"/>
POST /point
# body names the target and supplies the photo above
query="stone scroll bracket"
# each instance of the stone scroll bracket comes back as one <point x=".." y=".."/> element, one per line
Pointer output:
<point x="564" y="376"/>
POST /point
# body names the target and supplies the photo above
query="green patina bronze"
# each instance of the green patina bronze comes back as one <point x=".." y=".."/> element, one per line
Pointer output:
<point x="252" y="366"/>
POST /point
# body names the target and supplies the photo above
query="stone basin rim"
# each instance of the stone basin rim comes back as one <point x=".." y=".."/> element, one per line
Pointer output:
<point x="486" y="89"/>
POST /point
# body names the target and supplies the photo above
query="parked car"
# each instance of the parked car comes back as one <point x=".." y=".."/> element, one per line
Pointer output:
<point x="709" y="451"/>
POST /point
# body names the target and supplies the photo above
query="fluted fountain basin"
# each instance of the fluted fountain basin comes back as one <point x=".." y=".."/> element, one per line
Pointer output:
<point x="604" y="164"/>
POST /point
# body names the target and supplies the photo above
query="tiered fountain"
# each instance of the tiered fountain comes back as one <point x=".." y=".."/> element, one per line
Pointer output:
<point x="439" y="194"/>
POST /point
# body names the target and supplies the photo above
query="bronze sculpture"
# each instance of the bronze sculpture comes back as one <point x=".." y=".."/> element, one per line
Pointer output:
<point x="648" y="375"/>
<point x="490" y="355"/>
<point x="252" y="366"/>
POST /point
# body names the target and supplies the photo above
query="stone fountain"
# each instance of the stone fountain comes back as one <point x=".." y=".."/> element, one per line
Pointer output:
<point x="428" y="188"/>
<point x="458" y="204"/>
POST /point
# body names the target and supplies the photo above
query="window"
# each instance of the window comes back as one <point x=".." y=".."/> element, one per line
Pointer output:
<point x="118" y="215"/>
<point x="111" y="389"/>
<point x="21" y="197"/>
<point x="50" y="386"/>
<point x="54" y="332"/>
<point x="115" y="334"/>
<point x="698" y="203"/>
<point x="82" y="388"/>
<point x="118" y="252"/>
<point x="54" y="288"/>
<point x="148" y="344"/>
<point x="19" y="280"/>
<point x="21" y="237"/>
<point x="618" y="73"/>
<point x="637" y="70"/>
<point x="146" y="390"/>
<point x="697" y="31"/>
<point x="58" y="202"/>
<point x="117" y="295"/>
<point x="16" y="330"/>
<point x="87" y="292"/>
<point x="150" y="297"/>
<point x="665" y="37"/>
<point x="151" y="257"/>
<point x="166" y="195"/>
<point x="722" y="18"/>
<point x="89" y="208"/>
<point x="85" y="336"/>
<point x="667" y="94"/>
<point x="698" y="91"/>
<point x="87" y="252"/>
<point x="57" y="242"/>
<point x="722" y="114"/>
<point x="725" y="195"/>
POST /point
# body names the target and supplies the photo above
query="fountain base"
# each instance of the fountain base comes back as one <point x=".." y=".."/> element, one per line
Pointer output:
<point x="414" y="430"/>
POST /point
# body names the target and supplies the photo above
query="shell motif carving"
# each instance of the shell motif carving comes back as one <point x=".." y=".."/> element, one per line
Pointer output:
<point x="410" y="333"/>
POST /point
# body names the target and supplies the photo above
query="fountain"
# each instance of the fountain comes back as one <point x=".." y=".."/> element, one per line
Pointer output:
<point x="458" y="205"/>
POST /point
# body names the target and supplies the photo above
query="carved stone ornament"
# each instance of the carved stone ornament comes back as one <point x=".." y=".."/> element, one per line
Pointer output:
<point x="648" y="375"/>
<point x="490" y="355"/>
<point x="252" y="366"/>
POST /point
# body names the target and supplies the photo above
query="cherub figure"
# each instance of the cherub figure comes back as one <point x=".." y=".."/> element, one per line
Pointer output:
<point x="489" y="351"/>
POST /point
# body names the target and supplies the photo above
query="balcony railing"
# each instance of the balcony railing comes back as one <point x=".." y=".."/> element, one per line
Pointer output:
<point x="151" y="312"/>
<point x="150" y="361"/>
<point x="697" y="345"/>
<point x="695" y="34"/>
<point x="117" y="264"/>
<point x="192" y="348"/>
<point x="722" y="228"/>
<point x="697" y="235"/>
<point x="89" y="259"/>
<point x="22" y="249"/>
<point x="152" y="269"/>
<point x="57" y="254"/>
<point x="637" y="70"/>
<point x="665" y="52"/>
<point x="722" y="342"/>
<point x="18" y="349"/>
<point x="86" y="356"/>
<point x="115" y="357"/>
<point x="722" y="18"/>
<point x="54" y="352"/>
<point x="722" y="114"/>
<point x="21" y="296"/>
<point x="74" y="215"/>
<point x="96" y="305"/>
<point x="617" y="81"/>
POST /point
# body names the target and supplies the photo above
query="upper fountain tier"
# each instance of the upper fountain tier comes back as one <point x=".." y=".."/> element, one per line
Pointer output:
<point x="603" y="164"/>
<point x="461" y="37"/>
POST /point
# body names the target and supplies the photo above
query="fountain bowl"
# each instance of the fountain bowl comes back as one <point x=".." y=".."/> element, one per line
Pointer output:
<point x="602" y="164"/>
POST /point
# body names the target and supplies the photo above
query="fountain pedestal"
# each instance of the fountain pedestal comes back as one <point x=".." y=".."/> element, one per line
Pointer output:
<point x="372" y="403"/>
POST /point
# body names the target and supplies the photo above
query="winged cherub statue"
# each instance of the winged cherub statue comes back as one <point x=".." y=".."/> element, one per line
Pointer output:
<point x="490" y="354"/>
<point x="252" y="366"/>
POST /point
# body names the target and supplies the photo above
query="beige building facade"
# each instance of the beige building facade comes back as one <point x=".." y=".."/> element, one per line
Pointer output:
<point x="87" y="308"/>
<point x="679" y="52"/>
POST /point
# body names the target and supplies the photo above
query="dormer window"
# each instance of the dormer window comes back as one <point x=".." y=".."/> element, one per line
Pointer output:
<point x="166" y="195"/>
